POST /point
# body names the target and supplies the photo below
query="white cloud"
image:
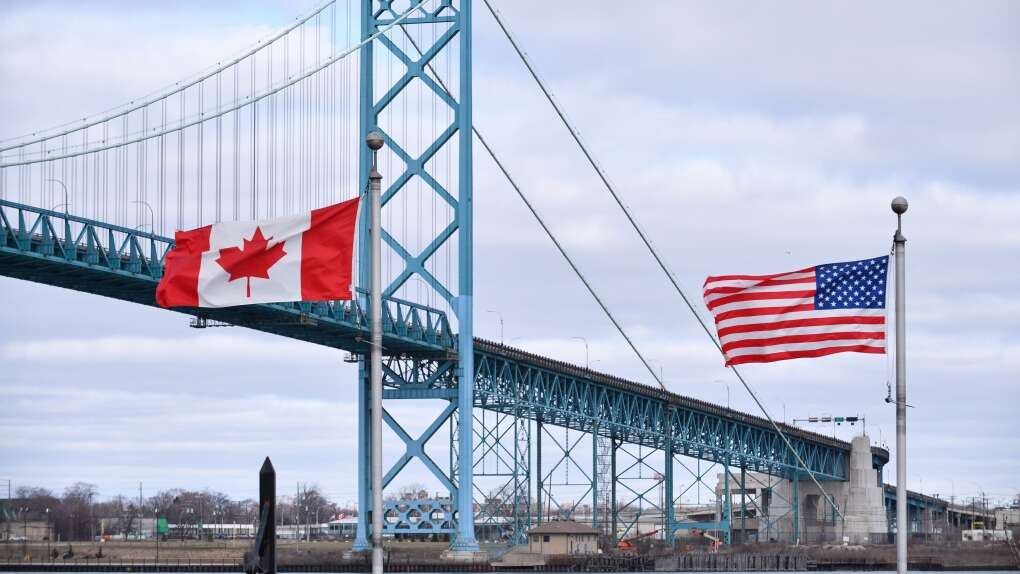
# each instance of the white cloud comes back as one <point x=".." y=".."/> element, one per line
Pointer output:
<point x="165" y="350"/>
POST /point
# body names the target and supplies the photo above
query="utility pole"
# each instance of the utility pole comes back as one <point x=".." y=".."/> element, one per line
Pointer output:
<point x="899" y="207"/>
<point x="375" y="142"/>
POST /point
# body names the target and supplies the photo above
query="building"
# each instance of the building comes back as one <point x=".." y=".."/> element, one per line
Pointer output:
<point x="1007" y="518"/>
<point x="563" y="537"/>
<point x="26" y="530"/>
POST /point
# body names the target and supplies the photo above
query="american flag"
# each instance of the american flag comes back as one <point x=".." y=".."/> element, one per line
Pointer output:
<point x="821" y="310"/>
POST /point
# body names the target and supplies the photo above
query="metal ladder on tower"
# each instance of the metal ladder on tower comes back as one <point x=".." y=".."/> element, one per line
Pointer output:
<point x="604" y="471"/>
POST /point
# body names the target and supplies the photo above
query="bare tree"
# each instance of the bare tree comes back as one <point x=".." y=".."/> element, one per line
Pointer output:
<point x="78" y="500"/>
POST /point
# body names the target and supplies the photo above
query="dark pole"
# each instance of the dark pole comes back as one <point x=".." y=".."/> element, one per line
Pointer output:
<point x="267" y="501"/>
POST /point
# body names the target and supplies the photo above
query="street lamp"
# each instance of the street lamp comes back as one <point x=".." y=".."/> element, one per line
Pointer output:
<point x="658" y="362"/>
<point x="152" y="217"/>
<point x="500" y="324"/>
<point x="67" y="198"/>
<point x="155" y="531"/>
<point x="48" y="534"/>
<point x="728" y="394"/>
<point x="24" y="533"/>
<point x="587" y="360"/>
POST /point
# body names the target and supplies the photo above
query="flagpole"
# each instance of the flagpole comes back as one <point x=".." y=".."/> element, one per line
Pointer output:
<point x="899" y="207"/>
<point x="375" y="142"/>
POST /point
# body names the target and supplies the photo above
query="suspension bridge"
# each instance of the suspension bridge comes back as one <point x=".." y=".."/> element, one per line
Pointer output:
<point x="275" y="130"/>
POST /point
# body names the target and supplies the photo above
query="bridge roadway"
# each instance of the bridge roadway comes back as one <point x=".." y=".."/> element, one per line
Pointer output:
<point x="54" y="248"/>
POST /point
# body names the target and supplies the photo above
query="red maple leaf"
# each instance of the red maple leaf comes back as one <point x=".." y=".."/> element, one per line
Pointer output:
<point x="253" y="260"/>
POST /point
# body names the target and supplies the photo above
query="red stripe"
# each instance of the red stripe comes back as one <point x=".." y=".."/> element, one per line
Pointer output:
<point x="806" y="338"/>
<point x="327" y="252"/>
<point x="179" y="285"/>
<point x="769" y="283"/>
<point x="813" y="322"/>
<point x="749" y="277"/>
<point x="755" y="311"/>
<point x="772" y="357"/>
<point x="760" y="296"/>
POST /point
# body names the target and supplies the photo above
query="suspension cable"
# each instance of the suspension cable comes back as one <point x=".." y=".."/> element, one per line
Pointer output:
<point x="147" y="100"/>
<point x="644" y="238"/>
<point x="545" y="228"/>
<point x="203" y="117"/>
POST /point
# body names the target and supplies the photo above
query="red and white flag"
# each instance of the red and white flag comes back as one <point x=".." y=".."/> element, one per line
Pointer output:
<point x="307" y="257"/>
<point x="813" y="312"/>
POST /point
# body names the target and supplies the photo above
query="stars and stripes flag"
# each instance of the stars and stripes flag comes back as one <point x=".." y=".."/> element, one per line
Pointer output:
<point x="812" y="312"/>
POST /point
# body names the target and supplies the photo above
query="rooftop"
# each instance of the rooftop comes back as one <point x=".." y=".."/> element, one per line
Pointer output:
<point x="563" y="527"/>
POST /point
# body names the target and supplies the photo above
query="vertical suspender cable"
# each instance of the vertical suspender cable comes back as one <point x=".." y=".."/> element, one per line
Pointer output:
<point x="644" y="238"/>
<point x="270" y="133"/>
<point x="162" y="169"/>
<point x="181" y="136"/>
<point x="200" y="152"/>
<point x="219" y="147"/>
<point x="254" y="144"/>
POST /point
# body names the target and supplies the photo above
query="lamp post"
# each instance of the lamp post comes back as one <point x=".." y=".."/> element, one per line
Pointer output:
<point x="24" y="532"/>
<point x="728" y="395"/>
<point x="49" y="534"/>
<point x="67" y="198"/>
<point x="152" y="216"/>
<point x="587" y="358"/>
<point x="500" y="315"/>
<point x="155" y="531"/>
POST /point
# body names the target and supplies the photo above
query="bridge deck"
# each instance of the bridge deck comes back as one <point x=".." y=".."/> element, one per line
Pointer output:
<point x="75" y="253"/>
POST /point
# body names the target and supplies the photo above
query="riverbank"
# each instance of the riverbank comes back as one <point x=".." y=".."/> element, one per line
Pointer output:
<point x="335" y="556"/>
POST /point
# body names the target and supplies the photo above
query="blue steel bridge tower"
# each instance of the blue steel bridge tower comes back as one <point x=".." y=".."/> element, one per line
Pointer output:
<point x="424" y="61"/>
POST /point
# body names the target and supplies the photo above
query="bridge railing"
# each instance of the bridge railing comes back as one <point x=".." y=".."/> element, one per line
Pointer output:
<point x="88" y="244"/>
<point x="49" y="233"/>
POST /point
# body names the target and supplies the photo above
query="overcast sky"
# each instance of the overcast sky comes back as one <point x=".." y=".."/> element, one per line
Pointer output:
<point x="747" y="137"/>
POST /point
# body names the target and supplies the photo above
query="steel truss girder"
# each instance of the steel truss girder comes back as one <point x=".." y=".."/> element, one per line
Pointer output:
<point x="643" y="416"/>
<point x="68" y="251"/>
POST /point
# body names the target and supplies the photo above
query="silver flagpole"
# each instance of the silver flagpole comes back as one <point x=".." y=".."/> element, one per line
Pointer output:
<point x="375" y="142"/>
<point x="899" y="207"/>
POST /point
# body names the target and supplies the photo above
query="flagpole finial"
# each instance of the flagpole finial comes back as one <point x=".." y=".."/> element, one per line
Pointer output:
<point x="899" y="205"/>
<point x="375" y="141"/>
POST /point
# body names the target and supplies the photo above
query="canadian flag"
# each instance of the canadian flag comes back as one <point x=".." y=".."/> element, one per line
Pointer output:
<point x="305" y="257"/>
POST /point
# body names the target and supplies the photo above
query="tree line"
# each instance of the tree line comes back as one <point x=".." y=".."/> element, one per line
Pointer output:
<point x="79" y="513"/>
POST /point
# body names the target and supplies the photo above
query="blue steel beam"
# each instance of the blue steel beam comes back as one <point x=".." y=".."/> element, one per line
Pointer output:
<point x="64" y="250"/>
<point x="379" y="95"/>
<point x="51" y="247"/>
<point x="566" y="395"/>
<point x="67" y="251"/>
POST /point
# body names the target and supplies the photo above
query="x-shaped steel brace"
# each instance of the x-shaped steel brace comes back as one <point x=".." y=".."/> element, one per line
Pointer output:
<point x="416" y="448"/>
